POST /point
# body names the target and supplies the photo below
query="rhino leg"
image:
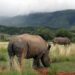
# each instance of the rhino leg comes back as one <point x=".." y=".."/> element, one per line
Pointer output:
<point x="20" y="60"/>
<point x="11" y="54"/>
<point x="36" y="63"/>
<point x="11" y="62"/>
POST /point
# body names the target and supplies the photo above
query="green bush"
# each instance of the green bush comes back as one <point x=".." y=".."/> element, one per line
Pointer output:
<point x="64" y="33"/>
<point x="46" y="33"/>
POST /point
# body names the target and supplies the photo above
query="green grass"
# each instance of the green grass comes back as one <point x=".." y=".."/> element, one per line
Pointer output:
<point x="63" y="58"/>
<point x="64" y="66"/>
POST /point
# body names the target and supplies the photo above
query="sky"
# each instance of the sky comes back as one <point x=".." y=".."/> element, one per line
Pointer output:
<point x="23" y="7"/>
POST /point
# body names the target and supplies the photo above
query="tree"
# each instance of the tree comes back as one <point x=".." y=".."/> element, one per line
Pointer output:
<point x="64" y="33"/>
<point x="45" y="33"/>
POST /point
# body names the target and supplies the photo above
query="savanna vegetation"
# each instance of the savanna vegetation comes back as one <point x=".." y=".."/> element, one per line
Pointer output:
<point x="62" y="60"/>
<point x="46" y="32"/>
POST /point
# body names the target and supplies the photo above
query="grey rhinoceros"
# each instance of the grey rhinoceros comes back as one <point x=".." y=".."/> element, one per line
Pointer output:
<point x="61" y="40"/>
<point x="29" y="46"/>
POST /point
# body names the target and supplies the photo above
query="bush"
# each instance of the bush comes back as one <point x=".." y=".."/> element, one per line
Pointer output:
<point x="46" y="33"/>
<point x="64" y="33"/>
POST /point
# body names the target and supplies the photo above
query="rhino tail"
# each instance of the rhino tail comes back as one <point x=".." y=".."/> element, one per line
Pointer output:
<point x="11" y="51"/>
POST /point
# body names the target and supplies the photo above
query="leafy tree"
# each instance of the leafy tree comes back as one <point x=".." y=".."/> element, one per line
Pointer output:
<point x="64" y="33"/>
<point x="45" y="33"/>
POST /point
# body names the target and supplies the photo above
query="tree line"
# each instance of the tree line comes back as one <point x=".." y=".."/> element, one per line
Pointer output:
<point x="46" y="32"/>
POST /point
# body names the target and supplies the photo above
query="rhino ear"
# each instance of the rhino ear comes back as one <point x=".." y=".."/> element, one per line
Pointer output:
<point x="49" y="46"/>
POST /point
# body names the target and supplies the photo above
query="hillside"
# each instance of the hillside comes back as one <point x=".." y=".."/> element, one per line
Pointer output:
<point x="65" y="19"/>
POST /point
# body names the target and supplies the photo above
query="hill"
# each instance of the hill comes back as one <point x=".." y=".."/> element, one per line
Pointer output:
<point x="59" y="19"/>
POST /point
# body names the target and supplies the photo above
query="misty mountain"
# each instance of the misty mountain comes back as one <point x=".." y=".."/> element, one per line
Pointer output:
<point x="59" y="19"/>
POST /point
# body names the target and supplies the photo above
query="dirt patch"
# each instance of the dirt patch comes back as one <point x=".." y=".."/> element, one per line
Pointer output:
<point x="45" y="71"/>
<point x="3" y="69"/>
<point x="65" y="73"/>
<point x="42" y="71"/>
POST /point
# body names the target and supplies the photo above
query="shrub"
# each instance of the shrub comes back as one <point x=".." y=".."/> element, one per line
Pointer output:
<point x="64" y="33"/>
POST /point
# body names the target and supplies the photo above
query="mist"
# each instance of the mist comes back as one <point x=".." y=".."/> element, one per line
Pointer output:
<point x="24" y="7"/>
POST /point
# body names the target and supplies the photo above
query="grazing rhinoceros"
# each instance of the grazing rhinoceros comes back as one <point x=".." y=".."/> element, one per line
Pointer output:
<point x="61" y="40"/>
<point x="29" y="46"/>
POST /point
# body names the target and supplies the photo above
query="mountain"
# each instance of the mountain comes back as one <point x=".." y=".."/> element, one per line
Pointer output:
<point x="58" y="19"/>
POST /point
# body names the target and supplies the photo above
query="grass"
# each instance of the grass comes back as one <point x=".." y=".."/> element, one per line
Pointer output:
<point x="17" y="73"/>
<point x="64" y="66"/>
<point x="62" y="58"/>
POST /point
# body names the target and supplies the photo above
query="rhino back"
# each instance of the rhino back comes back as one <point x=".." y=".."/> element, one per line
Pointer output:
<point x="32" y="44"/>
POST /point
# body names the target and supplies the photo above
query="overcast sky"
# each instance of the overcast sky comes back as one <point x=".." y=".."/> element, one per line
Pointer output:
<point x="21" y="7"/>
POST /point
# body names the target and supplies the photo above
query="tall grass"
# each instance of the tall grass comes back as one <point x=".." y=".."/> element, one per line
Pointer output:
<point x="60" y="53"/>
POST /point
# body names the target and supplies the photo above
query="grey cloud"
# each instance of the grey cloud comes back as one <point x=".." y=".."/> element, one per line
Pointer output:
<point x="19" y="7"/>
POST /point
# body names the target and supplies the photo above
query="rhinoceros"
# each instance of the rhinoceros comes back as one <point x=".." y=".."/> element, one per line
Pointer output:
<point x="61" y="40"/>
<point x="26" y="46"/>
